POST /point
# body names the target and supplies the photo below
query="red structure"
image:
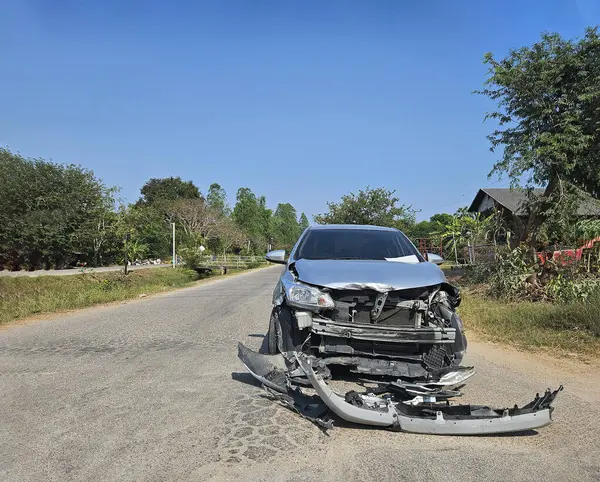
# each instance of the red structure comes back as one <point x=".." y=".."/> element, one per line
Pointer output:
<point x="566" y="256"/>
<point x="426" y="245"/>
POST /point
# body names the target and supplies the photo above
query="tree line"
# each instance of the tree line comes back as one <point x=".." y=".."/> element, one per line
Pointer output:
<point x="54" y="215"/>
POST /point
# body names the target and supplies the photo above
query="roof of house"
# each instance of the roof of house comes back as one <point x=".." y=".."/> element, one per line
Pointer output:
<point x="513" y="200"/>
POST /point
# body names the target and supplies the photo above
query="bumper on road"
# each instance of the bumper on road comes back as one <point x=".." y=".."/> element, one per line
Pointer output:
<point x="425" y="411"/>
<point x="427" y="419"/>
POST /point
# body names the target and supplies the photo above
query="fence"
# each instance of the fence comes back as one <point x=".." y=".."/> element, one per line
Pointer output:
<point x="473" y="254"/>
<point x="481" y="253"/>
<point x="232" y="261"/>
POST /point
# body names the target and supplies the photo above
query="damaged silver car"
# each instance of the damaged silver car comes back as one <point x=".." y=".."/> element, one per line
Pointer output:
<point x="363" y="300"/>
<point x="363" y="296"/>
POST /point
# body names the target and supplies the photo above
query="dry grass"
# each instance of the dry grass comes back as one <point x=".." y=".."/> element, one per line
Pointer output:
<point x="572" y="328"/>
<point x="23" y="297"/>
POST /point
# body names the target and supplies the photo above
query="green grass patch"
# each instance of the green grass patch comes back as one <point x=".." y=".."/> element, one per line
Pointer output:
<point x="573" y="327"/>
<point x="23" y="296"/>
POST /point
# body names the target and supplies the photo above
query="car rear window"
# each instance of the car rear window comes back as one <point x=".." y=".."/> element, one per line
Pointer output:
<point x="355" y="244"/>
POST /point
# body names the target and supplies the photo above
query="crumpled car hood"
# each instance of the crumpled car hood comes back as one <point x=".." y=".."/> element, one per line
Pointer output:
<point x="368" y="274"/>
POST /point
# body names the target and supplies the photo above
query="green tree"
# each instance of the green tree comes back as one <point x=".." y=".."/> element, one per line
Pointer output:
<point x="156" y="191"/>
<point x="49" y="212"/>
<point x="217" y="199"/>
<point x="246" y="212"/>
<point x="266" y="214"/>
<point x="372" y="206"/>
<point x="161" y="199"/>
<point x="252" y="215"/>
<point x="453" y="234"/>
<point x="548" y="99"/>
<point x="429" y="229"/>
<point x="422" y="229"/>
<point x="96" y="237"/>
<point x="285" y="226"/>
<point x="440" y="219"/>
<point x="303" y="223"/>
<point x="148" y="229"/>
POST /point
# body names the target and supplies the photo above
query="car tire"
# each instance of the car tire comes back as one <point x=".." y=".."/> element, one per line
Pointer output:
<point x="284" y="334"/>
<point x="459" y="347"/>
<point x="272" y="338"/>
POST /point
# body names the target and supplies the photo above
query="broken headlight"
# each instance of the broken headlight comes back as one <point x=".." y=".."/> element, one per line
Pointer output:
<point x="308" y="297"/>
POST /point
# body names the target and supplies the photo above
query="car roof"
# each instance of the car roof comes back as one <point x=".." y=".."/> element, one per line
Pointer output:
<point x="351" y="226"/>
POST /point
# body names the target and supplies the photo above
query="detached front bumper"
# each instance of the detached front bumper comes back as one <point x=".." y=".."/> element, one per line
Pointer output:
<point x="402" y="406"/>
<point x="431" y="419"/>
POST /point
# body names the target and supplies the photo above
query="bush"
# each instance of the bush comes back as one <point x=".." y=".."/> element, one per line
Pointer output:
<point x="513" y="279"/>
<point x="509" y="279"/>
<point x="192" y="257"/>
<point x="480" y="273"/>
<point x="564" y="290"/>
<point x="255" y="264"/>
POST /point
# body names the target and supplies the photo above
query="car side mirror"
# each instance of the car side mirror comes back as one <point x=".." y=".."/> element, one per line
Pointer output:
<point x="435" y="258"/>
<point x="277" y="256"/>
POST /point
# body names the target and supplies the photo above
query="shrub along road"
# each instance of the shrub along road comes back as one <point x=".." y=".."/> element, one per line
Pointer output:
<point x="144" y="391"/>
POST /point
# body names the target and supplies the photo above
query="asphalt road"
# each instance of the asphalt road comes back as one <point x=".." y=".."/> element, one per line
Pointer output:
<point x="144" y="391"/>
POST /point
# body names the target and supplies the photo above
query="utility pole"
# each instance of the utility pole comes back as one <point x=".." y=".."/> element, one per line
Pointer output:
<point x="455" y="250"/>
<point x="127" y="236"/>
<point x="174" y="259"/>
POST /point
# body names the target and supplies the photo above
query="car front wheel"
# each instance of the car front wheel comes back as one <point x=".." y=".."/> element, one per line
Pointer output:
<point x="284" y="334"/>
<point x="272" y="345"/>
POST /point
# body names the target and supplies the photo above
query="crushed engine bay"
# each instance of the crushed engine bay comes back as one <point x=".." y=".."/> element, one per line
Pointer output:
<point x="413" y="402"/>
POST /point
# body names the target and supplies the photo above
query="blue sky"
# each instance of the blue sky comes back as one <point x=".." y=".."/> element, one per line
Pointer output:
<point x="302" y="101"/>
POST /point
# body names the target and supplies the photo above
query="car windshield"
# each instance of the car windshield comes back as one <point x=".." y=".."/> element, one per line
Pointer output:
<point x="356" y="244"/>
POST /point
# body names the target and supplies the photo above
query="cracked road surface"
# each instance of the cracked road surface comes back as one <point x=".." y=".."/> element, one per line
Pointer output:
<point x="144" y="391"/>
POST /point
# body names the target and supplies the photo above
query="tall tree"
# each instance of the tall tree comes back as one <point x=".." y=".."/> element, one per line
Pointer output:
<point x="217" y="199"/>
<point x="253" y="216"/>
<point x="285" y="226"/>
<point x="95" y="237"/>
<point x="228" y="235"/>
<point x="377" y="206"/>
<point x="303" y="223"/>
<point x="197" y="219"/>
<point x="266" y="214"/>
<point x="246" y="212"/>
<point x="548" y="99"/>
<point x="157" y="191"/>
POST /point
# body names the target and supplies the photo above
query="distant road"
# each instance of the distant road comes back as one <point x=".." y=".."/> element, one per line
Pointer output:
<point x="65" y="272"/>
